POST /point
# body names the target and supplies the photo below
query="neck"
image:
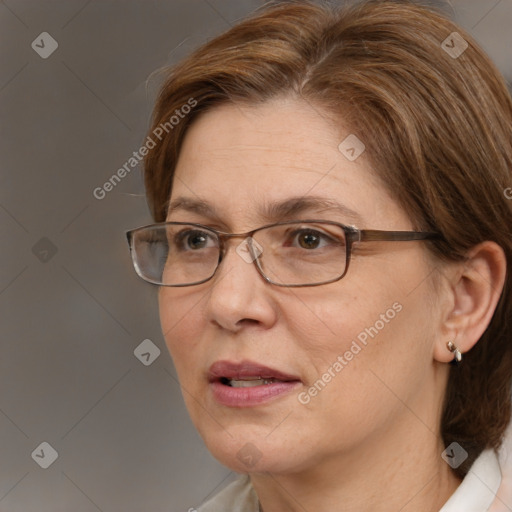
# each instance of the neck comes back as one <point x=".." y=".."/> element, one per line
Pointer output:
<point x="400" y="469"/>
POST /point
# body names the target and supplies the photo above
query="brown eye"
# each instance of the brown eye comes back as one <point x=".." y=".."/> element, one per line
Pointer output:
<point x="309" y="240"/>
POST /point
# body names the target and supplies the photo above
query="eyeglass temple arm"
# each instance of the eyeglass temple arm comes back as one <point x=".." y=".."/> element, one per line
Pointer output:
<point x="397" y="236"/>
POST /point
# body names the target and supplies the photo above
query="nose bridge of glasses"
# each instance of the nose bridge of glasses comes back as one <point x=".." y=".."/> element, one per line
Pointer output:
<point x="248" y="249"/>
<point x="225" y="237"/>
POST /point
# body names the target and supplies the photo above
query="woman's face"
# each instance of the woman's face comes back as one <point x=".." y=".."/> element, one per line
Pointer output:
<point x="357" y="354"/>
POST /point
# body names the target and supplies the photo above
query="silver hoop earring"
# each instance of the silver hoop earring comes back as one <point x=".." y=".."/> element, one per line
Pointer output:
<point x="457" y="356"/>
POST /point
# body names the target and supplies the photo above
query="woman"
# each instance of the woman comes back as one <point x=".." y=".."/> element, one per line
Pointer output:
<point x="331" y="246"/>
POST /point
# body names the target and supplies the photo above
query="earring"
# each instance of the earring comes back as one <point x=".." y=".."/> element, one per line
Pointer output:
<point x="457" y="356"/>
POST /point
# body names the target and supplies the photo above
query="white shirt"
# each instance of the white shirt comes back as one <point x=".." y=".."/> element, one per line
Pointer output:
<point x="478" y="490"/>
<point x="486" y="488"/>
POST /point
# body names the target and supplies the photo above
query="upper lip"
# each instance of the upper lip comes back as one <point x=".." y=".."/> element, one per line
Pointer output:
<point x="245" y="370"/>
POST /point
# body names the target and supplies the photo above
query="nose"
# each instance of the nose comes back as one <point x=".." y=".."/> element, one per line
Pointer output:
<point x="239" y="295"/>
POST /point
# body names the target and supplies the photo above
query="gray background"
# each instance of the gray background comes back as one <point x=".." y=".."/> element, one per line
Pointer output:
<point x="72" y="311"/>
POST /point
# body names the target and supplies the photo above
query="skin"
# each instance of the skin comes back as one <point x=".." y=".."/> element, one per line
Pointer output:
<point x="370" y="440"/>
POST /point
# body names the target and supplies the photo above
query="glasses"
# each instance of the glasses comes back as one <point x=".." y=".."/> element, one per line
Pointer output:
<point x="291" y="253"/>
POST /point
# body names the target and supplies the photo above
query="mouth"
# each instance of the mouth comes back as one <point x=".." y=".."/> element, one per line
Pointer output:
<point x="247" y="384"/>
<point x="246" y="374"/>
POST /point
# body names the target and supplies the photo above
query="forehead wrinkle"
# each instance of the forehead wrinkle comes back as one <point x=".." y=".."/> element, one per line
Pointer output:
<point x="274" y="211"/>
<point x="292" y="207"/>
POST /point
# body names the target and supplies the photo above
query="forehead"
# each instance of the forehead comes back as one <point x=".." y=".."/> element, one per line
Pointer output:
<point x="239" y="158"/>
<point x="282" y="134"/>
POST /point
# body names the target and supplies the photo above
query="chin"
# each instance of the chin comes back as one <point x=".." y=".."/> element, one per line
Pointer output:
<point x="250" y="459"/>
<point x="253" y="452"/>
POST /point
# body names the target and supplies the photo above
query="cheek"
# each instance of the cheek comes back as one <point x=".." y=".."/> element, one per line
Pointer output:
<point x="353" y="336"/>
<point x="327" y="321"/>
<point x="367" y="372"/>
<point x="181" y="323"/>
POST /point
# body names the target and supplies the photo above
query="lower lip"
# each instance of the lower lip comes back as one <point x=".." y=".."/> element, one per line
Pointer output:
<point x="250" y="397"/>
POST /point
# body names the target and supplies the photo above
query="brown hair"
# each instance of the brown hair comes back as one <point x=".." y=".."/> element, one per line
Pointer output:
<point x="437" y="129"/>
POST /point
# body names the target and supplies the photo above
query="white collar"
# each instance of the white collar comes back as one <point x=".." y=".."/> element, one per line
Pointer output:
<point x="478" y="490"/>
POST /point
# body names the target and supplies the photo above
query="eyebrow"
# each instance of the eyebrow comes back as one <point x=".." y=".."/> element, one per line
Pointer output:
<point x="272" y="211"/>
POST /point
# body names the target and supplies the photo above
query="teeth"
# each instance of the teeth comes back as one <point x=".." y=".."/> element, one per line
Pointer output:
<point x="250" y="383"/>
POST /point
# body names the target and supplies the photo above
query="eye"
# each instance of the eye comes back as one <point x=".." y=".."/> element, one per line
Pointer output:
<point x="194" y="239"/>
<point x="307" y="238"/>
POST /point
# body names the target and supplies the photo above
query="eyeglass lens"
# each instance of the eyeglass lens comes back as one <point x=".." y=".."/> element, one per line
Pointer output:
<point x="291" y="253"/>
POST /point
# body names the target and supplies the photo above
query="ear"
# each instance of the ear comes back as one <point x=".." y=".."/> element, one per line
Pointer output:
<point x="475" y="288"/>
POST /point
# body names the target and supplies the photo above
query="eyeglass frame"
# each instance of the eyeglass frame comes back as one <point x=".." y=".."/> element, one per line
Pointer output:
<point x="352" y="235"/>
